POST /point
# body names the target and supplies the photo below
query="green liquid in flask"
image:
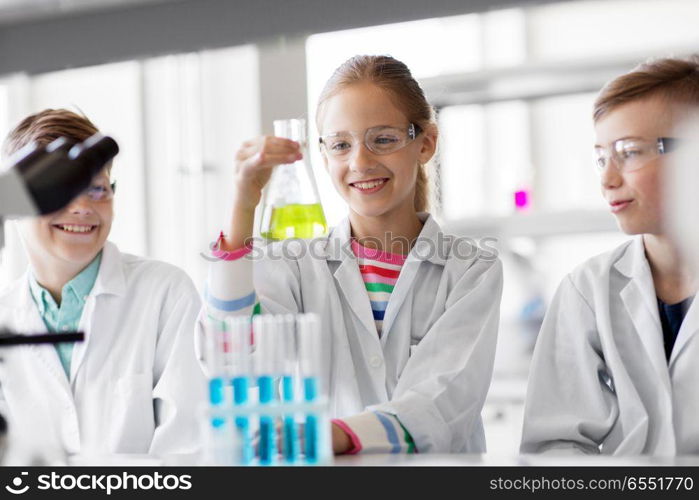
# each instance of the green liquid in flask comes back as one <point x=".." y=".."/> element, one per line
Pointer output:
<point x="296" y="221"/>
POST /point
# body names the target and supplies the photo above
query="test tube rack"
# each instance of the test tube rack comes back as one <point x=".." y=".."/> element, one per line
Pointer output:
<point x="229" y="444"/>
<point x="265" y="402"/>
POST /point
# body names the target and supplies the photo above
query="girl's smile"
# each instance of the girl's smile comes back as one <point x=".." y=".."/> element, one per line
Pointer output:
<point x="370" y="186"/>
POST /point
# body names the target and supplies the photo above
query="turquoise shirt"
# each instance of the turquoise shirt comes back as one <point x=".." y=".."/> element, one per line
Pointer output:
<point x="65" y="317"/>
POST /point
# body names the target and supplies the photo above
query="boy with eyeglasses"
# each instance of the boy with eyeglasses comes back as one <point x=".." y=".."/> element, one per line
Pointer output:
<point x="616" y="365"/>
<point x="134" y="384"/>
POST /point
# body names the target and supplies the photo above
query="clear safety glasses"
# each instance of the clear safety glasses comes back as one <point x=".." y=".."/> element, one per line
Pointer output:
<point x="100" y="191"/>
<point x="633" y="154"/>
<point x="380" y="140"/>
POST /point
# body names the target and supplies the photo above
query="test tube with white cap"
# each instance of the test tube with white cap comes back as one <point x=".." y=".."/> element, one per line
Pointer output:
<point x="221" y="444"/>
<point x="309" y="343"/>
<point x="267" y="361"/>
<point x="214" y="362"/>
<point x="239" y="370"/>
<point x="290" y="446"/>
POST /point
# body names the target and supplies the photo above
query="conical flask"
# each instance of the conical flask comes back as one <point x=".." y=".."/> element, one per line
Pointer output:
<point x="292" y="204"/>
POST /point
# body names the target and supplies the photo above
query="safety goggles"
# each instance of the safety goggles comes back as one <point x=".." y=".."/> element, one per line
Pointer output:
<point x="633" y="153"/>
<point x="100" y="191"/>
<point x="381" y="140"/>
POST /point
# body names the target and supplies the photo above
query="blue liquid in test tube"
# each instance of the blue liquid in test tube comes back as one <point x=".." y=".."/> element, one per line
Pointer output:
<point x="309" y="363"/>
<point x="239" y="368"/>
<point x="290" y="442"/>
<point x="214" y="364"/>
<point x="216" y="398"/>
<point x="267" y="361"/>
<point x="310" y="394"/>
<point x="267" y="431"/>
<point x="240" y="398"/>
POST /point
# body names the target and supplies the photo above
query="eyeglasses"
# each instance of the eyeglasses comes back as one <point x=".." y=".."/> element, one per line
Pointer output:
<point x="633" y="154"/>
<point x="101" y="191"/>
<point x="380" y="140"/>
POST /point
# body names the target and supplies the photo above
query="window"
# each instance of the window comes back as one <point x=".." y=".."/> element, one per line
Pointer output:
<point x="178" y="121"/>
<point x="606" y="29"/>
<point x="484" y="158"/>
<point x="198" y="109"/>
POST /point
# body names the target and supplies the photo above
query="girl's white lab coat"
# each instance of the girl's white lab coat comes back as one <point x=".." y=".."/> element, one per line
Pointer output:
<point x="599" y="380"/>
<point x="135" y="383"/>
<point x="433" y="363"/>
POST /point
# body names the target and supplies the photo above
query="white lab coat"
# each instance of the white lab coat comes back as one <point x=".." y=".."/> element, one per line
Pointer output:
<point x="135" y="384"/>
<point x="599" y="380"/>
<point x="432" y="364"/>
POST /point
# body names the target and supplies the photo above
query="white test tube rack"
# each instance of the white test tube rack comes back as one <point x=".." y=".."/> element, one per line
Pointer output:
<point x="291" y="422"/>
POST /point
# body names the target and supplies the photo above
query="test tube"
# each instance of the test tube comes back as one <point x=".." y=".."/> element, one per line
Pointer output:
<point x="214" y="364"/>
<point x="239" y="371"/>
<point x="309" y="343"/>
<point x="290" y="442"/>
<point x="267" y="368"/>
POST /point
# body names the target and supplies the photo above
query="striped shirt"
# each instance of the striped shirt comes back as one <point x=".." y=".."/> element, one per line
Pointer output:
<point x="380" y="272"/>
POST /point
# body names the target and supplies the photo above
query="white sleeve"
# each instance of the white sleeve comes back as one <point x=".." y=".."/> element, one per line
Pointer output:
<point x="240" y="281"/>
<point x="179" y="384"/>
<point x="442" y="389"/>
<point x="229" y="285"/>
<point x="570" y="406"/>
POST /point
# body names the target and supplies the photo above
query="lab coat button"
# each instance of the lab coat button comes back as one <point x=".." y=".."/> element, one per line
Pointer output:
<point x="375" y="361"/>
<point x="422" y="250"/>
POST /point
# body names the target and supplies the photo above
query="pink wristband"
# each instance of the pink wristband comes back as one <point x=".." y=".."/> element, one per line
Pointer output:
<point x="356" y="443"/>
<point x="224" y="255"/>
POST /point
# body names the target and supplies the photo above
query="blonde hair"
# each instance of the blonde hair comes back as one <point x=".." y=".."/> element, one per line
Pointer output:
<point x="395" y="78"/>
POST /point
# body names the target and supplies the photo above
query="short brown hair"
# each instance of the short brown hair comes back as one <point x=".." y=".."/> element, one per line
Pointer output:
<point x="46" y="126"/>
<point x="394" y="77"/>
<point x="675" y="79"/>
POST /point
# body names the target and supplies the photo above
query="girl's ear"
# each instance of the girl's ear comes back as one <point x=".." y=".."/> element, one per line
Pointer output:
<point x="429" y="143"/>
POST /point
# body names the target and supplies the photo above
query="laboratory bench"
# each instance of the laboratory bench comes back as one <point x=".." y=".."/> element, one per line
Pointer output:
<point x="426" y="460"/>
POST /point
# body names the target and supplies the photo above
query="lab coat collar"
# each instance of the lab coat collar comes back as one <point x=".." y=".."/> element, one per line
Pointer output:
<point x="110" y="279"/>
<point x="641" y="304"/>
<point x="348" y="277"/>
<point x="18" y="295"/>
<point x="429" y="247"/>
<point x="80" y="286"/>
<point x="689" y="328"/>
<point x="338" y="246"/>
<point x="634" y="264"/>
<point x="27" y="316"/>
<point x="432" y="246"/>
<point x="23" y="304"/>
